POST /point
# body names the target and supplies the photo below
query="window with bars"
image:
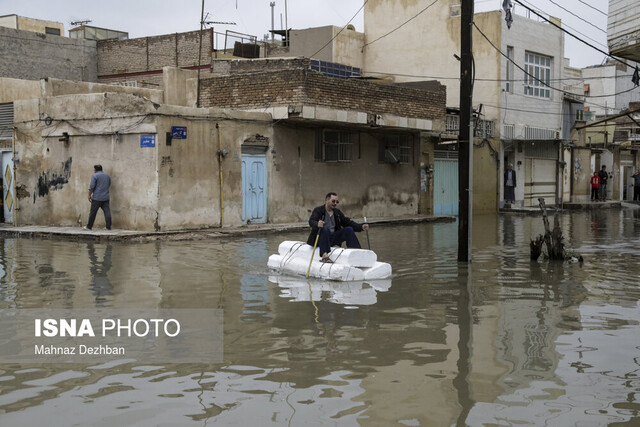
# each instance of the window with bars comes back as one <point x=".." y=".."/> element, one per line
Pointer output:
<point x="332" y="146"/>
<point x="395" y="149"/>
<point x="537" y="76"/>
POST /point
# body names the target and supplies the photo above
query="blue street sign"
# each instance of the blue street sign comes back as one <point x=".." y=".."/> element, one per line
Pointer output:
<point x="179" y="132"/>
<point x="147" y="140"/>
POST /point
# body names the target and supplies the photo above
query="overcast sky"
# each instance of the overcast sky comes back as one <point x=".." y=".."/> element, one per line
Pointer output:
<point x="152" y="17"/>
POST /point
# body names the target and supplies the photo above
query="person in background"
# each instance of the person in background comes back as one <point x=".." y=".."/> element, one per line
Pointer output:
<point x="595" y="183"/>
<point x="604" y="176"/>
<point x="510" y="184"/>
<point x="636" y="185"/>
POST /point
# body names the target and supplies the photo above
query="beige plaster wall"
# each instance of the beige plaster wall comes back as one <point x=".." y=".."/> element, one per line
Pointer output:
<point x="188" y="169"/>
<point x="366" y="187"/>
<point x="52" y="177"/>
<point x="13" y="89"/>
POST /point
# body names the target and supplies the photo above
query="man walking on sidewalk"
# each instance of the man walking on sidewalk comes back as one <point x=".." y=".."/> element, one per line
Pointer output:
<point x="99" y="196"/>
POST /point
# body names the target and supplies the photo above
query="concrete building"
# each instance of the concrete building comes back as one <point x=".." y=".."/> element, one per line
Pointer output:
<point x="526" y="113"/>
<point x="33" y="25"/>
<point x="174" y="166"/>
<point x="623" y="29"/>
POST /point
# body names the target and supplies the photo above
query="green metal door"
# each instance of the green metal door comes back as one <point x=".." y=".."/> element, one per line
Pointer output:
<point x="445" y="187"/>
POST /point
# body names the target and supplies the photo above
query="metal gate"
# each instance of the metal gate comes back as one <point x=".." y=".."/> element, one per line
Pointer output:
<point x="445" y="187"/>
<point x="254" y="188"/>
<point x="540" y="181"/>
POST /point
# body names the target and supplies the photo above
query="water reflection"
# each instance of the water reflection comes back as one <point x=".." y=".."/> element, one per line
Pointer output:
<point x="502" y="341"/>
<point x="100" y="284"/>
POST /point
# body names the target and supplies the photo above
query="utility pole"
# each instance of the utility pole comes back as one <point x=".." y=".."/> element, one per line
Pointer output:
<point x="465" y="138"/>
<point x="200" y="55"/>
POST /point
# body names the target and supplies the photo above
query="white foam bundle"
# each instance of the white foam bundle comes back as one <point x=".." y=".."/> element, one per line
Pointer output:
<point x="380" y="270"/>
<point x="348" y="264"/>
<point x="319" y="269"/>
<point x="353" y="257"/>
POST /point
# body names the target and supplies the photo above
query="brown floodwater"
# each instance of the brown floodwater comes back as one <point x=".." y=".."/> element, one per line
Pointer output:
<point x="503" y="341"/>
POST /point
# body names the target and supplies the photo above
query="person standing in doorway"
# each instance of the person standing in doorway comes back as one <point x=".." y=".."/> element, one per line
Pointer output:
<point x="99" y="196"/>
<point x="604" y="176"/>
<point x="333" y="226"/>
<point x="636" y="185"/>
<point x="595" y="183"/>
<point x="510" y="184"/>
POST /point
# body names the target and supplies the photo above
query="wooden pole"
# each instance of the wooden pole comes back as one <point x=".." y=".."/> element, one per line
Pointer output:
<point x="465" y="138"/>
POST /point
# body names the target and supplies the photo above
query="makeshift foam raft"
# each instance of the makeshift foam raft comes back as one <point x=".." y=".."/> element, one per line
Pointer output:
<point x="348" y="264"/>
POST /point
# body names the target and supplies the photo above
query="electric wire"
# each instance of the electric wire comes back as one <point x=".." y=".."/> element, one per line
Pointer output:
<point x="571" y="34"/>
<point x="594" y="8"/>
<point x="341" y="30"/>
<point x="579" y="17"/>
<point x="399" y="26"/>
<point x="566" y="25"/>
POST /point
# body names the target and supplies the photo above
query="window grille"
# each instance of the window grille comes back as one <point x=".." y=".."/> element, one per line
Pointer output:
<point x="395" y="149"/>
<point x="332" y="146"/>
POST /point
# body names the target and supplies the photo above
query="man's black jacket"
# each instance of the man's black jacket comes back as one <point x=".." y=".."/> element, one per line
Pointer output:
<point x="341" y="222"/>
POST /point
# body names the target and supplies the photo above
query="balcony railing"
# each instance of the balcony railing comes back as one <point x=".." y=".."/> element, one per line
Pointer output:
<point x="481" y="128"/>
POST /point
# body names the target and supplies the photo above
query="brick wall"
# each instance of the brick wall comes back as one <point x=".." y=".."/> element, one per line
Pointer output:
<point x="231" y="66"/>
<point x="286" y="87"/>
<point x="32" y="56"/>
<point x="120" y="57"/>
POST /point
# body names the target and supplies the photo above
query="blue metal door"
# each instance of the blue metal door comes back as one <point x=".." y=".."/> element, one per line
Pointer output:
<point x="254" y="188"/>
<point x="445" y="187"/>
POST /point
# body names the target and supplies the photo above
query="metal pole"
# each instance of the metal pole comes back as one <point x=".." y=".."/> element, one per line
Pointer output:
<point x="272" y="4"/>
<point x="465" y="139"/>
<point x="200" y="56"/>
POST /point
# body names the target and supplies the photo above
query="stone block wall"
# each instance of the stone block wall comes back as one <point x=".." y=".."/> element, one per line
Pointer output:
<point x="32" y="56"/>
<point x="142" y="59"/>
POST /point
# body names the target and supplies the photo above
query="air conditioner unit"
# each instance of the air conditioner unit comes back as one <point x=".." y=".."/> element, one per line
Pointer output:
<point x="374" y="119"/>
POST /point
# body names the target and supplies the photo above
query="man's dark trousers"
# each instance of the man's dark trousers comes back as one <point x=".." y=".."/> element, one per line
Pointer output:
<point x="98" y="204"/>
<point x="326" y="239"/>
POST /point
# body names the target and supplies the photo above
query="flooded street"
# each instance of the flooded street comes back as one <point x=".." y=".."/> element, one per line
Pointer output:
<point x="502" y="342"/>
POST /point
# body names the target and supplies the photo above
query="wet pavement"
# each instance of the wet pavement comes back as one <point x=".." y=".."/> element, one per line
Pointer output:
<point x="79" y="233"/>
<point x="500" y="341"/>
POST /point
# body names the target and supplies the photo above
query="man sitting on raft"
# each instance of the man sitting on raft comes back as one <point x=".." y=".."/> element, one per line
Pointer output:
<point x="333" y="226"/>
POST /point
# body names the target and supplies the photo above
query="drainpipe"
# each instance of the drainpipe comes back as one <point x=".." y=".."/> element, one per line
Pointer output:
<point x="221" y="154"/>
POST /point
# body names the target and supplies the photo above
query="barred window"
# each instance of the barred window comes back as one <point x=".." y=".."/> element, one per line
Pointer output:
<point x="332" y="146"/>
<point x="395" y="149"/>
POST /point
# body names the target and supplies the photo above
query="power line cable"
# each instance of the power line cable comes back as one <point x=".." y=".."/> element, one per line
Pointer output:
<point x="341" y="30"/>
<point x="572" y="35"/>
<point x="594" y="8"/>
<point x="399" y="26"/>
<point x="541" y="82"/>
<point x="566" y="25"/>
<point x="579" y="17"/>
